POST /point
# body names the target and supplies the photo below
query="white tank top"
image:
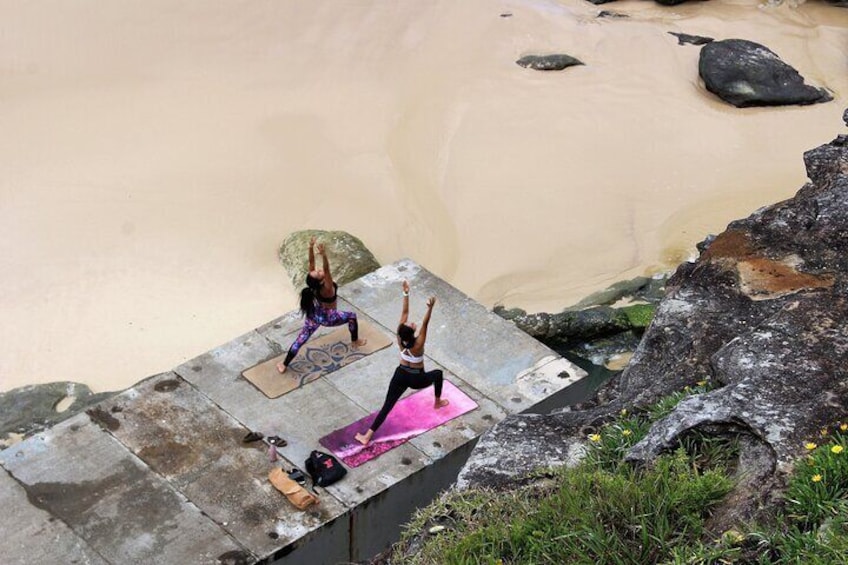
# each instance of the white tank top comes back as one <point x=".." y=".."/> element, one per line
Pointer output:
<point x="409" y="357"/>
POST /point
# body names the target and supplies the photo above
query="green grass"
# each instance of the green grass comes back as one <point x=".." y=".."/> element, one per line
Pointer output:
<point x="605" y="511"/>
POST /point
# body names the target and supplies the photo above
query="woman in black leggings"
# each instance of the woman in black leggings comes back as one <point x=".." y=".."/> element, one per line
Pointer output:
<point x="410" y="372"/>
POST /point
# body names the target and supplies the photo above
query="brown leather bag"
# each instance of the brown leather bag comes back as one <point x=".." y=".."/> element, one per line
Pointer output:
<point x="297" y="495"/>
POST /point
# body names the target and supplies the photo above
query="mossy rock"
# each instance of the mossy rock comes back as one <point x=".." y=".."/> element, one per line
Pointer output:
<point x="639" y="315"/>
<point x="349" y="258"/>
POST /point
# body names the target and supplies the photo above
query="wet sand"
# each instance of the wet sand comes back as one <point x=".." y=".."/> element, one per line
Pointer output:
<point x="156" y="154"/>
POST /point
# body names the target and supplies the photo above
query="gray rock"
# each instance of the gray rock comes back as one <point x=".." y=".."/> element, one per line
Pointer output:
<point x="570" y="326"/>
<point x="684" y="38"/>
<point x="649" y="289"/>
<point x="349" y="258"/>
<point x="611" y="14"/>
<point x="761" y="317"/>
<point x="745" y="73"/>
<point x="548" y="62"/>
<point x="592" y="318"/>
<point x="30" y="409"/>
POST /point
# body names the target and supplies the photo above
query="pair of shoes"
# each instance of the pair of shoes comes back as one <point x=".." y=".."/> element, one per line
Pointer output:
<point x="252" y="436"/>
<point x="278" y="441"/>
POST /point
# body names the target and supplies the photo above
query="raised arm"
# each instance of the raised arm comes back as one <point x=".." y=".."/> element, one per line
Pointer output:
<point x="405" y="312"/>
<point x="328" y="278"/>
<point x="422" y="334"/>
<point x="311" y="254"/>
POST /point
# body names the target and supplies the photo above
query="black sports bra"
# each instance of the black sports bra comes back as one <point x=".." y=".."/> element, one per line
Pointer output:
<point x="331" y="299"/>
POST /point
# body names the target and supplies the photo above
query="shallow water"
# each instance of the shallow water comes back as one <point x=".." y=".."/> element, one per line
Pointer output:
<point x="155" y="155"/>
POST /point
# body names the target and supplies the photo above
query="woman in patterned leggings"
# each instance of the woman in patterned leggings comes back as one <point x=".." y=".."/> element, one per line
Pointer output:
<point x="410" y="372"/>
<point x="318" y="306"/>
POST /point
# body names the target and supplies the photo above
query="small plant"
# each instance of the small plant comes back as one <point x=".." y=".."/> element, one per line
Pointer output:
<point x="818" y="490"/>
<point x="611" y="442"/>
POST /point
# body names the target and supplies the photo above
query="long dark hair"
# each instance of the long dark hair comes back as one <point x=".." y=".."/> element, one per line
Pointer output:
<point x="308" y="295"/>
<point x="406" y="335"/>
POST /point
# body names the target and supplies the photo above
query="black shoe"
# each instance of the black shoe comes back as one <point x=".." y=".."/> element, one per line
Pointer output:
<point x="252" y="436"/>
<point x="278" y="441"/>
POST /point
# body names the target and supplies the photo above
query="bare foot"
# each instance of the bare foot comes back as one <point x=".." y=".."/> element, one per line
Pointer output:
<point x="281" y="367"/>
<point x="363" y="438"/>
<point x="359" y="342"/>
<point x="440" y="402"/>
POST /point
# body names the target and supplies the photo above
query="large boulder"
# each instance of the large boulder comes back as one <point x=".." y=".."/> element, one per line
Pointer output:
<point x="745" y="73"/>
<point x="760" y="317"/>
<point x="349" y="258"/>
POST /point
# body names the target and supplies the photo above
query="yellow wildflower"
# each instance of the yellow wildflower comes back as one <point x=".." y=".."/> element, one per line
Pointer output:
<point x="837" y="449"/>
<point x="594" y="437"/>
<point x="810" y="446"/>
<point x="823" y="432"/>
<point x="843" y="427"/>
<point x="624" y="411"/>
<point x="701" y="383"/>
<point x="816" y="478"/>
<point x="626" y="432"/>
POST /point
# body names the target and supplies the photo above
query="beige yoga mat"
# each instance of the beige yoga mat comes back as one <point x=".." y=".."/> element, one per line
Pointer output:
<point x="317" y="357"/>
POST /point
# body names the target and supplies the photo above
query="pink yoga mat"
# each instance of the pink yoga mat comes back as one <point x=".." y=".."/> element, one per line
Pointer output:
<point x="411" y="417"/>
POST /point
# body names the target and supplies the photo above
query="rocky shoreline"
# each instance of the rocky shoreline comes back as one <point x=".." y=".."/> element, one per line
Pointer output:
<point x="759" y="318"/>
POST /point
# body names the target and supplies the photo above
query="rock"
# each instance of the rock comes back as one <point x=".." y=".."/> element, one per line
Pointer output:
<point x="745" y="73"/>
<point x="548" y="62"/>
<point x="760" y="316"/>
<point x="533" y="441"/>
<point x="30" y="409"/>
<point x="591" y="318"/>
<point x="684" y="38"/>
<point x="569" y="326"/>
<point x="611" y="14"/>
<point x="649" y="289"/>
<point x="349" y="258"/>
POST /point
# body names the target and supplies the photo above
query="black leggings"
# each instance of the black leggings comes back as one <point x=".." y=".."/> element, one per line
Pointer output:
<point x="404" y="378"/>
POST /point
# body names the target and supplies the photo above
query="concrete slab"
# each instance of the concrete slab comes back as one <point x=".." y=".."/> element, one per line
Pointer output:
<point x="198" y="447"/>
<point x="217" y="373"/>
<point x="159" y="474"/>
<point x="486" y="351"/>
<point x="80" y="474"/>
<point x="33" y="535"/>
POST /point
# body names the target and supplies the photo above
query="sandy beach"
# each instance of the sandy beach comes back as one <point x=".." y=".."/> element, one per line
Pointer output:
<point x="155" y="155"/>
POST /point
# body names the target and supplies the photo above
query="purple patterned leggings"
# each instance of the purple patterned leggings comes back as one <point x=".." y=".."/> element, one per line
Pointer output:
<point x="323" y="317"/>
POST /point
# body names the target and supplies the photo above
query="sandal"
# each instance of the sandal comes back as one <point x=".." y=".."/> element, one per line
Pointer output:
<point x="277" y="441"/>
<point x="252" y="436"/>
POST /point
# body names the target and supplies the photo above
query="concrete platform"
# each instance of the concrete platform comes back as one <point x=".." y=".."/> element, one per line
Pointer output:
<point x="159" y="473"/>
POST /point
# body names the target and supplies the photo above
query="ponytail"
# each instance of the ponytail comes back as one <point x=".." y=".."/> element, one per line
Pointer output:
<point x="406" y="335"/>
<point x="308" y="295"/>
<point x="307" y="302"/>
